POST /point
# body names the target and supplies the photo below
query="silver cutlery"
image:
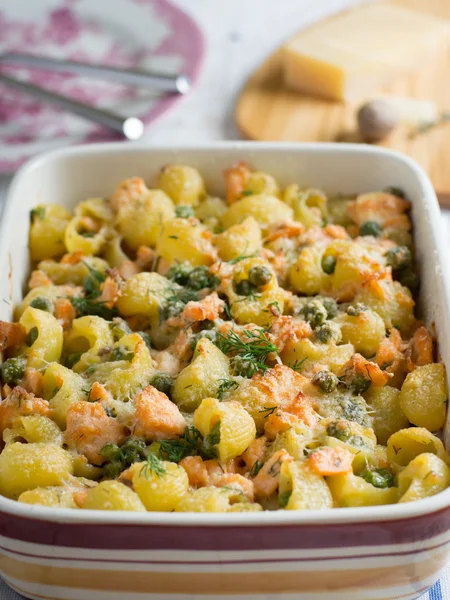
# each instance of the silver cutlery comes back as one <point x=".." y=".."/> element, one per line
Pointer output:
<point x="131" y="127"/>
<point x="179" y="84"/>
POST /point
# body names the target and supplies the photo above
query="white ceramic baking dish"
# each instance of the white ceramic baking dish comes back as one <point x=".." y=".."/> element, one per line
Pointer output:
<point x="343" y="554"/>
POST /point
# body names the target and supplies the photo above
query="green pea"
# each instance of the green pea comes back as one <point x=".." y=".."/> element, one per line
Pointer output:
<point x="199" y="278"/>
<point x="359" y="385"/>
<point x="122" y="353"/>
<point x="328" y="331"/>
<point x="210" y="334"/>
<point x="326" y="381"/>
<point x="244" y="287"/>
<point x="331" y="307"/>
<point x="370" y="228"/>
<point x="315" y="313"/>
<point x="132" y="450"/>
<point x="12" y="370"/>
<point x="399" y="258"/>
<point x="259" y="275"/>
<point x="243" y="366"/>
<point x="42" y="303"/>
<point x="355" y="310"/>
<point x="119" y="327"/>
<point x="162" y="382"/>
<point x="340" y="430"/>
<point x="328" y="264"/>
<point x="184" y="211"/>
<point x="110" y="452"/>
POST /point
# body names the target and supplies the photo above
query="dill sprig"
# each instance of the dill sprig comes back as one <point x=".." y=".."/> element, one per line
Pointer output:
<point x="191" y="444"/>
<point x="153" y="465"/>
<point x="86" y="306"/>
<point x="225" y="386"/>
<point x="89" y="305"/>
<point x="93" y="281"/>
<point x="175" y="300"/>
<point x="255" y="350"/>
<point x="269" y="410"/>
<point x="298" y="364"/>
<point x="120" y="458"/>
<point x="241" y="256"/>
<point x="176" y="450"/>
<point x="208" y="448"/>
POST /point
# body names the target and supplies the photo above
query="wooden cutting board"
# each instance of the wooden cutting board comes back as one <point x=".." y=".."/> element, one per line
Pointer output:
<point x="267" y="111"/>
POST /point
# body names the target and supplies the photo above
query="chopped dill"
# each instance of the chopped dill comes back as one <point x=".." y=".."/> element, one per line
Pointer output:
<point x="269" y="410"/>
<point x="93" y="281"/>
<point x="297" y="365"/>
<point x="92" y="290"/>
<point x="176" y="450"/>
<point x="86" y="306"/>
<point x="255" y="350"/>
<point x="153" y="465"/>
<point x="32" y="336"/>
<point x="256" y="468"/>
<point x="241" y="256"/>
<point x="210" y="442"/>
<point x="226" y="385"/>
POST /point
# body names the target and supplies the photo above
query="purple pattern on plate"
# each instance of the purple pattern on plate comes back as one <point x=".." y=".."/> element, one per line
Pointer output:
<point x="60" y="34"/>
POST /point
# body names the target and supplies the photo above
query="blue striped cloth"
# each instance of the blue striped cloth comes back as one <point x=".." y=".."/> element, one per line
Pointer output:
<point x="441" y="591"/>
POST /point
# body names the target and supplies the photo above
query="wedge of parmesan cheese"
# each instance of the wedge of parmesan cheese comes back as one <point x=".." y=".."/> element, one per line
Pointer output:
<point x="360" y="51"/>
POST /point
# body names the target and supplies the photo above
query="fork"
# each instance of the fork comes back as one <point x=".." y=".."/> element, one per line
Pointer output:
<point x="131" y="127"/>
<point x="156" y="81"/>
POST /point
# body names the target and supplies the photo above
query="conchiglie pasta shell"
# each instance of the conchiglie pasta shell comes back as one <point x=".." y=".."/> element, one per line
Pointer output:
<point x="426" y="475"/>
<point x="113" y="495"/>
<point x="27" y="466"/>
<point x="47" y="233"/>
<point x="309" y="490"/>
<point x="237" y="428"/>
<point x="207" y="499"/>
<point x="55" y="497"/>
<point x="351" y="490"/>
<point x="266" y="210"/>
<point x="63" y="387"/>
<point x="140" y="220"/>
<point x="74" y="240"/>
<point x="48" y="345"/>
<point x="404" y="445"/>
<point x="160" y="492"/>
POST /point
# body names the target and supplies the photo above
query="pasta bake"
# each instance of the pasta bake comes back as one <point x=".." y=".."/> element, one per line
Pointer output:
<point x="177" y="351"/>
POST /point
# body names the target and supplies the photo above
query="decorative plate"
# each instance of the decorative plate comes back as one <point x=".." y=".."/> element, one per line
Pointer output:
<point x="148" y="34"/>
